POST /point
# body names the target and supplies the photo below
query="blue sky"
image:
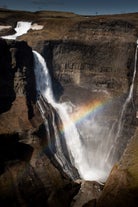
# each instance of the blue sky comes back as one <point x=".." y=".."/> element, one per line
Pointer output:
<point x="88" y="7"/>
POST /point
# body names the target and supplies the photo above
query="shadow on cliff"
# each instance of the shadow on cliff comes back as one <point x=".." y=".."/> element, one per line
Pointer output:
<point x="23" y="185"/>
<point x="11" y="150"/>
<point x="23" y="64"/>
<point x="48" y="55"/>
<point x="17" y="76"/>
<point x="7" y="93"/>
<point x="64" y="57"/>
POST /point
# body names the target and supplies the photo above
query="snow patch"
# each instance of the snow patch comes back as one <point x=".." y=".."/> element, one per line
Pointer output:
<point x="37" y="27"/>
<point x="22" y="28"/>
<point x="2" y="27"/>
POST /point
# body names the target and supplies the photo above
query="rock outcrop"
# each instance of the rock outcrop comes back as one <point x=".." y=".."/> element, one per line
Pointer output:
<point x="17" y="94"/>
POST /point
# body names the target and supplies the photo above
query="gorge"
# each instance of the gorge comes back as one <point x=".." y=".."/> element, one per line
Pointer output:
<point x="69" y="146"/>
<point x="67" y="121"/>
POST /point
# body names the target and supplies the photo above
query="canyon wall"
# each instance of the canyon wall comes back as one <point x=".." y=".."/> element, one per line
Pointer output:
<point x="93" y="59"/>
<point x="16" y="91"/>
<point x="27" y="176"/>
<point x="82" y="73"/>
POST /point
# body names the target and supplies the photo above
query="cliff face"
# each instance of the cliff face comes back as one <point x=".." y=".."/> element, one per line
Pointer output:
<point x="31" y="178"/>
<point x="121" y="187"/>
<point x="102" y="65"/>
<point x="17" y="94"/>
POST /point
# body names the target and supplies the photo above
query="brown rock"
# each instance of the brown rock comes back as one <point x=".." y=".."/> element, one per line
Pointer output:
<point x="88" y="194"/>
<point x="121" y="188"/>
<point x="16" y="93"/>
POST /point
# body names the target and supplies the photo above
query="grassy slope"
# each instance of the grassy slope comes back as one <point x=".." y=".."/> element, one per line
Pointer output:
<point x="63" y="25"/>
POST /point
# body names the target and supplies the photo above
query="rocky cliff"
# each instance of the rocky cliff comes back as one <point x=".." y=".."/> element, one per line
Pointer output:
<point x="27" y="176"/>
<point x="16" y="61"/>
<point x="121" y="187"/>
<point x="88" y="58"/>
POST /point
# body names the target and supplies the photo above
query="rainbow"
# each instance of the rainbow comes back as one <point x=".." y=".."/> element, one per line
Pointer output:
<point x="82" y="112"/>
<point x="89" y="109"/>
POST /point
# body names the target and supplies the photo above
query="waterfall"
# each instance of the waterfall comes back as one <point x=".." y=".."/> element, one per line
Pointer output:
<point x="130" y="94"/>
<point x="87" y="145"/>
<point x="75" y="148"/>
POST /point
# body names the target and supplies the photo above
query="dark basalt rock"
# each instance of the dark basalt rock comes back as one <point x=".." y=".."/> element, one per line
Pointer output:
<point x="16" y="74"/>
<point x="17" y="84"/>
<point x="7" y="93"/>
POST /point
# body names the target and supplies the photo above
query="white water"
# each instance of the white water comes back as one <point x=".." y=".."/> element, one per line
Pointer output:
<point x="77" y="152"/>
<point x="91" y="156"/>
<point x="21" y="28"/>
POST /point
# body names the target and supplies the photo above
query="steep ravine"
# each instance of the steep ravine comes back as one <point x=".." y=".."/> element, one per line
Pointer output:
<point x="28" y="134"/>
<point x="87" y="72"/>
<point x="88" y="58"/>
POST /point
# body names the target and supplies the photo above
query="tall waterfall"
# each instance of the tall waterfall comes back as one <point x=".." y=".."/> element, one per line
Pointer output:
<point x="88" y="150"/>
<point x="73" y="142"/>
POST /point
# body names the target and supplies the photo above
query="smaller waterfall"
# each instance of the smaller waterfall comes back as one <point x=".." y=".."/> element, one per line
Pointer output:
<point x="130" y="94"/>
<point x="112" y="152"/>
